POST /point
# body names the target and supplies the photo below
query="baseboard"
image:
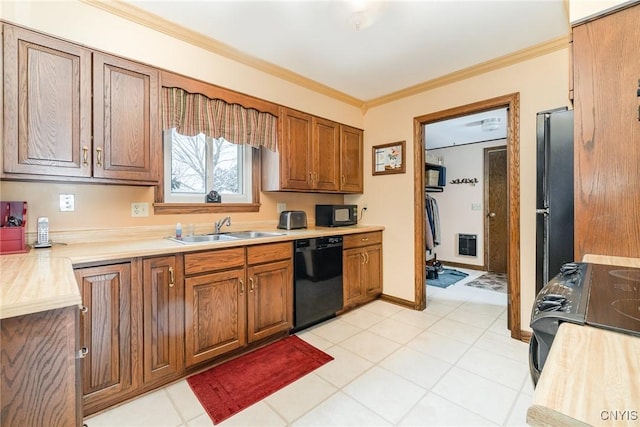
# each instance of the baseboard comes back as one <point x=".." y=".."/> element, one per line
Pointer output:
<point x="525" y="336"/>
<point x="461" y="265"/>
<point x="399" y="301"/>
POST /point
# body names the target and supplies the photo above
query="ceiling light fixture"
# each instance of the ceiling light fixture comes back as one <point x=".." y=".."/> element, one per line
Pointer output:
<point x="490" y="124"/>
<point x="363" y="13"/>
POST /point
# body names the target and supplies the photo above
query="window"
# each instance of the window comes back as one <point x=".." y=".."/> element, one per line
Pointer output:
<point x="197" y="165"/>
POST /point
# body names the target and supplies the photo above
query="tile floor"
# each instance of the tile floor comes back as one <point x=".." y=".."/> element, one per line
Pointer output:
<point x="452" y="364"/>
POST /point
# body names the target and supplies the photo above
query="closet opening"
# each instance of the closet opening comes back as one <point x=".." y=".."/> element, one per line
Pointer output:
<point x="460" y="220"/>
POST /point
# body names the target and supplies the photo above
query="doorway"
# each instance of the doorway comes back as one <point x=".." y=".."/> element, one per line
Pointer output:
<point x="512" y="103"/>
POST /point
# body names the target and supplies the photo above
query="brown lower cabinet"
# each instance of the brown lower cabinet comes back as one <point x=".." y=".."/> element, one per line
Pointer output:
<point x="39" y="357"/>
<point x="163" y="319"/>
<point x="110" y="328"/>
<point x="362" y="268"/>
<point x="233" y="298"/>
<point x="149" y="321"/>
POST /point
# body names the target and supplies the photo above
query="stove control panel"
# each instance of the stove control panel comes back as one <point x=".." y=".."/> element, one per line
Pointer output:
<point x="564" y="292"/>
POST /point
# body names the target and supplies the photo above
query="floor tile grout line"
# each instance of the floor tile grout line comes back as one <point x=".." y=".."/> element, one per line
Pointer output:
<point x="175" y="406"/>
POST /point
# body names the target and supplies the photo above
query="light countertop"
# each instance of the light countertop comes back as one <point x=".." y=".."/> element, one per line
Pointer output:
<point x="43" y="279"/>
<point x="591" y="376"/>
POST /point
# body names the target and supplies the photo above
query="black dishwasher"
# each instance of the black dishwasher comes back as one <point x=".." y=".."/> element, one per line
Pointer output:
<point x="317" y="280"/>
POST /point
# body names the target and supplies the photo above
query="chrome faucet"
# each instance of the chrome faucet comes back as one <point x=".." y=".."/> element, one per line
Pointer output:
<point x="220" y="223"/>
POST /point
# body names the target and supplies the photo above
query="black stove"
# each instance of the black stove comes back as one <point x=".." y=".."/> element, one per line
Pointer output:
<point x="602" y="296"/>
<point x="614" y="299"/>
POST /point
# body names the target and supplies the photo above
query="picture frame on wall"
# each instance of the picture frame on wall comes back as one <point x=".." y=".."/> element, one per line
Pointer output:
<point x="389" y="158"/>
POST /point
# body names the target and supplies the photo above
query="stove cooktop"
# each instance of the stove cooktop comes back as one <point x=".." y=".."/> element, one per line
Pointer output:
<point x="614" y="298"/>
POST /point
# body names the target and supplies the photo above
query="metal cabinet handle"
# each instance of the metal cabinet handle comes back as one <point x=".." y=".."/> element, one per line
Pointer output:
<point x="311" y="176"/>
<point x="364" y="239"/>
<point x="99" y="156"/>
<point x="83" y="352"/>
<point x="344" y="179"/>
<point x="251" y="284"/>
<point x="173" y="277"/>
<point x="85" y="155"/>
<point x="362" y="256"/>
<point x="241" y="287"/>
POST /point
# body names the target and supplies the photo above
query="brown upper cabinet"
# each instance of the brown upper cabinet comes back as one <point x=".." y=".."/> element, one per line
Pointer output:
<point x="125" y="120"/>
<point x="351" y="158"/>
<point x="606" y="73"/>
<point x="48" y="116"/>
<point x="315" y="155"/>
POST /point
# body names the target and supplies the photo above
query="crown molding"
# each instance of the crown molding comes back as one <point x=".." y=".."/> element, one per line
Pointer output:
<point x="475" y="70"/>
<point x="156" y="23"/>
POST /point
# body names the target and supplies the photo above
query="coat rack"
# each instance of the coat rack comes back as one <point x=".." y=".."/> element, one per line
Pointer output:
<point x="472" y="181"/>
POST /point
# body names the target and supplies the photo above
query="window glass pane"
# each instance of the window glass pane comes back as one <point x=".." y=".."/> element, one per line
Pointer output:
<point x="227" y="163"/>
<point x="188" y="163"/>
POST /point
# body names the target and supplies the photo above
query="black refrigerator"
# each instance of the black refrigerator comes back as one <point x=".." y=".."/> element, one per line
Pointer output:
<point x="554" y="193"/>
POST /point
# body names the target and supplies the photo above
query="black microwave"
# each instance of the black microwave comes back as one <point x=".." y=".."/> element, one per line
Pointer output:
<point x="336" y="215"/>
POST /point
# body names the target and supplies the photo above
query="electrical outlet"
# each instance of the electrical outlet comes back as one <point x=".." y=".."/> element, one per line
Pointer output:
<point x="67" y="203"/>
<point x="139" y="209"/>
<point x="281" y="207"/>
<point x="364" y="206"/>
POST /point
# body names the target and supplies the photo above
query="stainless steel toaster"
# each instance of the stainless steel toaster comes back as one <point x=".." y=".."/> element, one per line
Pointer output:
<point x="290" y="220"/>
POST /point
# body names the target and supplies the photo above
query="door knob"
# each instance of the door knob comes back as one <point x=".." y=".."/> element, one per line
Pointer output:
<point x="491" y="214"/>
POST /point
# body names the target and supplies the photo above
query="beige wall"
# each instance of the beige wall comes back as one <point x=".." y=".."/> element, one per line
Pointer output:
<point x="455" y="202"/>
<point x="542" y="83"/>
<point x="580" y="9"/>
<point x="102" y="206"/>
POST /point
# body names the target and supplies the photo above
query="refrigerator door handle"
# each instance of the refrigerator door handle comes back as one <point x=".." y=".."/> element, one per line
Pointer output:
<point x="544" y="211"/>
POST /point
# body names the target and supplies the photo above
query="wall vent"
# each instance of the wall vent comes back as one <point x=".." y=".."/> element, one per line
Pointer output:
<point x="468" y="244"/>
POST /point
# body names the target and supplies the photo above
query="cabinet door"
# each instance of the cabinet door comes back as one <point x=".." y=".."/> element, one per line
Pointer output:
<point x="39" y="381"/>
<point x="270" y="299"/>
<point x="126" y="142"/>
<point x="296" y="151"/>
<point x="162" y="319"/>
<point x="353" y="260"/>
<point x="106" y="330"/>
<point x="47" y="105"/>
<point x="372" y="278"/>
<point x="351" y="160"/>
<point x="606" y="69"/>
<point x="215" y="315"/>
<point x="326" y="149"/>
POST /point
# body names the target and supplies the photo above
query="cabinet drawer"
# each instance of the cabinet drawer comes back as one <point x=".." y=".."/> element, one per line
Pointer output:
<point x="213" y="260"/>
<point x="362" y="239"/>
<point x="270" y="252"/>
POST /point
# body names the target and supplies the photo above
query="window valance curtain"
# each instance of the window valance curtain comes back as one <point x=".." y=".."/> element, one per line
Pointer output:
<point x="194" y="113"/>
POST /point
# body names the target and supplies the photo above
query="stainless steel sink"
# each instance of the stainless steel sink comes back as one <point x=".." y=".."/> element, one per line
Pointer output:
<point x="224" y="237"/>
<point x="204" y="238"/>
<point x="252" y="234"/>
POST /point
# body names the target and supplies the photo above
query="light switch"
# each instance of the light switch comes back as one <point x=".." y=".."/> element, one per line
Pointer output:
<point x="476" y="206"/>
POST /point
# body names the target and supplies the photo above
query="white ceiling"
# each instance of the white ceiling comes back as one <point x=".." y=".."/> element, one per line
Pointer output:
<point x="465" y="130"/>
<point x="408" y="42"/>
